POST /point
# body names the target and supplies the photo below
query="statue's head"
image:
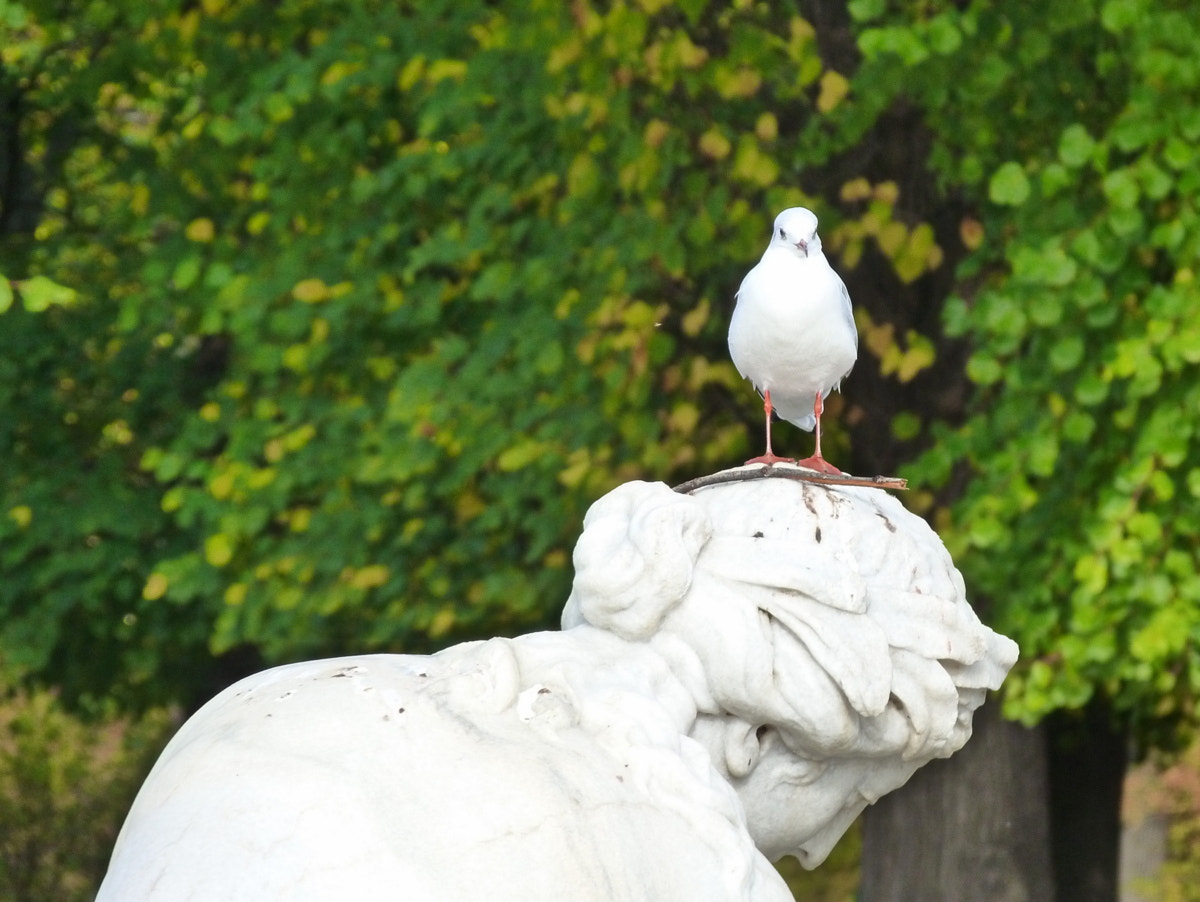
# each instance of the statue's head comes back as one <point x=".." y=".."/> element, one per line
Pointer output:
<point x="825" y="634"/>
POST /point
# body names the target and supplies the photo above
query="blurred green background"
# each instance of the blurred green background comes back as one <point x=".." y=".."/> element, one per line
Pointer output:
<point x="323" y="321"/>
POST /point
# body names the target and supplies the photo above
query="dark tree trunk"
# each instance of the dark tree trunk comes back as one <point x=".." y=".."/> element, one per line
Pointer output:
<point x="974" y="828"/>
<point x="1087" y="757"/>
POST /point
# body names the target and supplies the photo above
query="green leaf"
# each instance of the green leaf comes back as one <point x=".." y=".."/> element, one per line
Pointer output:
<point x="1121" y="189"/>
<point x="956" y="316"/>
<point x="1009" y="185"/>
<point x="1119" y="15"/>
<point x="906" y="426"/>
<point x="944" y="36"/>
<point x="6" y="293"/>
<point x="1075" y="147"/>
<point x="1045" y="266"/>
<point x="1091" y="389"/>
<point x="186" y="272"/>
<point x="984" y="370"/>
<point x="40" y="293"/>
<point x="1078" y="426"/>
<point x="866" y="10"/>
<point x="1067" y="353"/>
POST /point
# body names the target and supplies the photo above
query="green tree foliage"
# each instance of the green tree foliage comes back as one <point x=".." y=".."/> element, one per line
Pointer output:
<point x="374" y="299"/>
<point x="65" y="786"/>
<point x="1077" y="123"/>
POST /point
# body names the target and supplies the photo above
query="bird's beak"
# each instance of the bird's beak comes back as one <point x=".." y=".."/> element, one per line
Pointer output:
<point x="803" y="245"/>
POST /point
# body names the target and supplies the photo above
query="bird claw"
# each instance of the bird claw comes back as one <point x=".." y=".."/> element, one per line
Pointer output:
<point x="770" y="460"/>
<point x="820" y="464"/>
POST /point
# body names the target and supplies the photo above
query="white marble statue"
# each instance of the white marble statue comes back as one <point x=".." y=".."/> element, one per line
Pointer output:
<point x="740" y="672"/>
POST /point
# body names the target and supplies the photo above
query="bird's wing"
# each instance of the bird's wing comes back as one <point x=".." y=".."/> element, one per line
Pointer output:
<point x="848" y="311"/>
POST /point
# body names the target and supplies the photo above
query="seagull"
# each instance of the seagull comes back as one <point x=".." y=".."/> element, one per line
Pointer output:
<point x="792" y="333"/>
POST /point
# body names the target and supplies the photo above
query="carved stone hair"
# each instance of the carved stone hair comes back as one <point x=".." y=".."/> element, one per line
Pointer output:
<point x="835" y="616"/>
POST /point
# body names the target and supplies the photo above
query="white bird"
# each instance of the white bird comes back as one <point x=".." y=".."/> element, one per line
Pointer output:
<point x="792" y="333"/>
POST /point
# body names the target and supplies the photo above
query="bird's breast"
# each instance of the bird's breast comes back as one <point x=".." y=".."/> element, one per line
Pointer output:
<point x="790" y="330"/>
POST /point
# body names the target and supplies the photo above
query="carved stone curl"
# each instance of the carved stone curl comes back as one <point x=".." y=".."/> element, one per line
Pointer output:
<point x="740" y="672"/>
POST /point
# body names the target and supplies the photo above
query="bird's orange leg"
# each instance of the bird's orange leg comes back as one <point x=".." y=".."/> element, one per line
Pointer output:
<point x="817" y="462"/>
<point x="770" y="457"/>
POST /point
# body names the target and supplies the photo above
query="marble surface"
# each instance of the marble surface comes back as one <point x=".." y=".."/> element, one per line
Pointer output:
<point x="739" y="673"/>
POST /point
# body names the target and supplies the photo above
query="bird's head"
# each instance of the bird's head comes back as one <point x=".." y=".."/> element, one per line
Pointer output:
<point x="796" y="231"/>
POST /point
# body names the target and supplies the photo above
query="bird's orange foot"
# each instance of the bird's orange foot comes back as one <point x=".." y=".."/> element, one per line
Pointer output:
<point x="820" y="464"/>
<point x="769" y="459"/>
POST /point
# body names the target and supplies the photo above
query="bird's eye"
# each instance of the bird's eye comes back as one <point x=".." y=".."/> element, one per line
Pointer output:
<point x="782" y="234"/>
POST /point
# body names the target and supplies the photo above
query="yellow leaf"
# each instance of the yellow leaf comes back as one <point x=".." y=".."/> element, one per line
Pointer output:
<point x="311" y="291"/>
<point x="442" y="69"/>
<point x="411" y="73"/>
<point x="118" y="432"/>
<point x="563" y="55"/>
<point x="714" y="145"/>
<point x="684" y="418"/>
<point x="579" y="464"/>
<point x="742" y="83"/>
<point x="221" y="485"/>
<point x="880" y="339"/>
<point x="235" y="594"/>
<point x="140" y="202"/>
<point x="856" y="189"/>
<point x="693" y="321"/>
<point x="690" y="55"/>
<point x="299" y="437"/>
<point x="218" y="549"/>
<point x="256" y="223"/>
<point x="295" y="357"/>
<point x="834" y="88"/>
<point x="21" y="515"/>
<point x="339" y="70"/>
<point x="919" y="356"/>
<point x="971" y="232"/>
<point x="767" y="127"/>
<point x="887" y="192"/>
<point x="155" y="588"/>
<point x="891" y="238"/>
<point x="200" y="230"/>
<point x="260" y="477"/>
<point x="801" y="30"/>
<point x="370" y="577"/>
<point x="754" y="166"/>
<point x="583" y="175"/>
<point x="442" y="623"/>
<point x="851" y="254"/>
<point x="520" y="455"/>
<point x="468" y="505"/>
<point x="655" y="133"/>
